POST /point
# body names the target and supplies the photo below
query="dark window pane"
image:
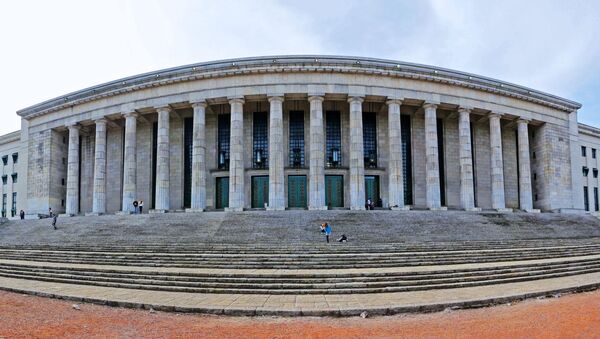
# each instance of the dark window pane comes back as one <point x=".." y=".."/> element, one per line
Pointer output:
<point x="296" y="146"/>
<point x="333" y="133"/>
<point x="260" y="140"/>
<point x="370" y="139"/>
<point x="223" y="135"/>
<point x="406" y="158"/>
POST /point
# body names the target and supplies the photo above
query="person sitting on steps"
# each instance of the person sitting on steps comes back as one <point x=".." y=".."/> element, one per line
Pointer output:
<point x="343" y="238"/>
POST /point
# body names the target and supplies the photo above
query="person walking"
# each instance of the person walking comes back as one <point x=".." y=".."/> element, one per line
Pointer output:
<point x="54" y="217"/>
<point x="22" y="214"/>
<point x="135" y="207"/>
<point x="141" y="206"/>
<point x="327" y="231"/>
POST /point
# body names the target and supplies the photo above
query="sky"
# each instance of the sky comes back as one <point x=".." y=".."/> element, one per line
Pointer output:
<point x="50" y="48"/>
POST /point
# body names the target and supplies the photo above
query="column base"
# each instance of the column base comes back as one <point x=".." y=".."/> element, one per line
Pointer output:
<point x="357" y="208"/>
<point x="442" y="208"/>
<point x="124" y="213"/>
<point x="62" y="215"/>
<point x="473" y="209"/>
<point x="94" y="214"/>
<point x="532" y="210"/>
<point x="503" y="210"/>
<point x="400" y="208"/>
<point x="194" y="210"/>
<point x="275" y="208"/>
<point x="158" y="211"/>
<point x="317" y="208"/>
<point x="234" y="209"/>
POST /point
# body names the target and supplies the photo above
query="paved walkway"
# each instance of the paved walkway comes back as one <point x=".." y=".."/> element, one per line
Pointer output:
<point x="317" y="305"/>
<point x="571" y="316"/>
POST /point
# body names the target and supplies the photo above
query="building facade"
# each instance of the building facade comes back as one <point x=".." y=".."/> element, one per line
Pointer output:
<point x="313" y="132"/>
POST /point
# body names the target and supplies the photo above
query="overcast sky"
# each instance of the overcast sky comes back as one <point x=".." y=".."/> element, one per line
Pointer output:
<point x="49" y="48"/>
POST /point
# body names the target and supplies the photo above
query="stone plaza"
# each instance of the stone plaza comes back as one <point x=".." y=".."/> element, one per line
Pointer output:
<point x="303" y="132"/>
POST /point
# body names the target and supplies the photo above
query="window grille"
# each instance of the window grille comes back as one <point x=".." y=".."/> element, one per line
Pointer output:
<point x="296" y="139"/>
<point x="333" y="139"/>
<point x="260" y="140"/>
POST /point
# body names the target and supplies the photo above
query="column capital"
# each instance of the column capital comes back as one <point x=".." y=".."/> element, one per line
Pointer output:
<point x="356" y="99"/>
<point x="465" y="110"/>
<point x="101" y="121"/>
<point x="316" y="98"/>
<point x="523" y="121"/>
<point x="200" y="103"/>
<point x="165" y="108"/>
<point x="391" y="101"/>
<point x="430" y="105"/>
<point x="73" y="126"/>
<point x="132" y="114"/>
<point x="275" y="98"/>
<point x="236" y="100"/>
<point x="495" y="115"/>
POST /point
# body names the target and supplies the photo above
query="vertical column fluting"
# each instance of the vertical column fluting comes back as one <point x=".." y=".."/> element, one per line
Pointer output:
<point x="198" y="202"/>
<point x="163" y="172"/>
<point x="357" y="161"/>
<point x="276" y="163"/>
<point x="525" y="190"/>
<point x="129" y="162"/>
<point x="467" y="191"/>
<point x="395" y="175"/>
<point x="72" y="203"/>
<point x="99" y="195"/>
<point x="432" y="166"/>
<point x="317" y="155"/>
<point x="497" y="169"/>
<point x="236" y="156"/>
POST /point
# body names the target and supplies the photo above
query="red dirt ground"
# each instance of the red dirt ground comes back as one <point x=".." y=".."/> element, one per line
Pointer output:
<point x="571" y="316"/>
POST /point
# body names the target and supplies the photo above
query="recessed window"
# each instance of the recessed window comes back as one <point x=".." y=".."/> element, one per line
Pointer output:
<point x="14" y="178"/>
<point x="593" y="153"/>
<point x="533" y="155"/>
<point x="223" y="135"/>
<point x="333" y="139"/>
<point x="586" y="171"/>
<point x="5" y="160"/>
<point x="296" y="139"/>
<point x="15" y="157"/>
<point x="595" y="172"/>
<point x="4" y="179"/>
<point x="534" y="176"/>
<point x="370" y="139"/>
<point x="583" y="151"/>
<point x="62" y="181"/>
<point x="260" y="140"/>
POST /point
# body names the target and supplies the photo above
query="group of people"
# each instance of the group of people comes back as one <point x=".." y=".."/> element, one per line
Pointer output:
<point x="370" y="204"/>
<point x="138" y="207"/>
<point x="326" y="230"/>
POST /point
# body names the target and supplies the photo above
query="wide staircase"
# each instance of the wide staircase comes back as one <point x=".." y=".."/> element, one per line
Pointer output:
<point x="255" y="273"/>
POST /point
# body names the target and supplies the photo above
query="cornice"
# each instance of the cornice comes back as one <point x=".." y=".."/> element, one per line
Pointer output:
<point x="10" y="137"/>
<point x="298" y="64"/>
<point x="589" y="130"/>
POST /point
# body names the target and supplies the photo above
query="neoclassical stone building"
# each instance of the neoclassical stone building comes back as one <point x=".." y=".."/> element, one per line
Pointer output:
<point x="313" y="132"/>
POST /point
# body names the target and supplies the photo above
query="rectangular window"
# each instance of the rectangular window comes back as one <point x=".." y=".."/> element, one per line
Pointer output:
<point x="585" y="171"/>
<point x="296" y="139"/>
<point x="15" y="157"/>
<point x="595" y="172"/>
<point x="5" y="160"/>
<point x="593" y="153"/>
<point x="260" y="140"/>
<point x="583" y="151"/>
<point x="4" y="179"/>
<point x="596" y="202"/>
<point x="14" y="178"/>
<point x="4" y="205"/>
<point x="188" y="132"/>
<point x="586" y="201"/>
<point x="406" y="134"/>
<point x="333" y="135"/>
<point x="13" y="210"/>
<point x="370" y="139"/>
<point x="223" y="135"/>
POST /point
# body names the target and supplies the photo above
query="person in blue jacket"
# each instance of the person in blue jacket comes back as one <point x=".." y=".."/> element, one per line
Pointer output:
<point x="327" y="231"/>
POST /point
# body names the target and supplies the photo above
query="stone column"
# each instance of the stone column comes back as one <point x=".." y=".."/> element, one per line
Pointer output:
<point x="432" y="166"/>
<point x="316" y="186"/>
<point x="276" y="163"/>
<point x="236" y="156"/>
<point x="129" y="162"/>
<point x="497" y="170"/>
<point x="395" y="174"/>
<point x="357" y="156"/>
<point x="525" y="190"/>
<point x="99" y="195"/>
<point x="163" y="183"/>
<point x="467" y="190"/>
<point x="72" y="203"/>
<point x="198" y="203"/>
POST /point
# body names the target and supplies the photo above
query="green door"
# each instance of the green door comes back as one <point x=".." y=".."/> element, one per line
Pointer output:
<point x="334" y="191"/>
<point x="222" y="193"/>
<point x="372" y="188"/>
<point x="297" y="191"/>
<point x="260" y="191"/>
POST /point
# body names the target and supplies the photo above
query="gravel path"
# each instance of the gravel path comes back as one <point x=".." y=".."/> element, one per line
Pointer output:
<point x="571" y="316"/>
